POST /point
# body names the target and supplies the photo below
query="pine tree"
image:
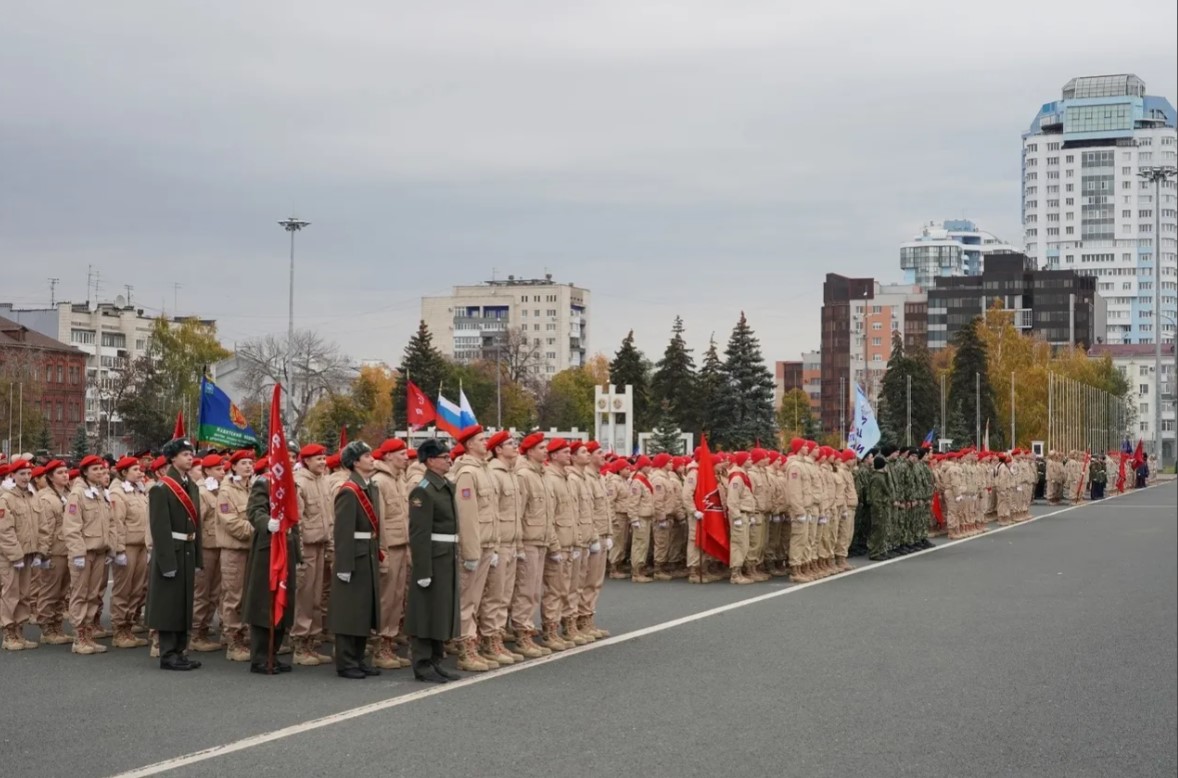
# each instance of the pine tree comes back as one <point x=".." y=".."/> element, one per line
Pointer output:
<point x="674" y="382"/>
<point x="630" y="368"/>
<point x="666" y="437"/>
<point x="80" y="447"/>
<point x="44" y="440"/>
<point x="893" y="396"/>
<point x="926" y="393"/>
<point x="424" y="365"/>
<point x="970" y="363"/>
<point x="749" y="416"/>
<point x="713" y="392"/>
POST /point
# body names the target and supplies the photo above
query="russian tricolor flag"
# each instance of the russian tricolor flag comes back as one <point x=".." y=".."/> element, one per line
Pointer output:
<point x="449" y="416"/>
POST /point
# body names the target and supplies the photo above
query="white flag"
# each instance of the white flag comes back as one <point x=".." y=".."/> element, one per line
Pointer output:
<point x="864" y="428"/>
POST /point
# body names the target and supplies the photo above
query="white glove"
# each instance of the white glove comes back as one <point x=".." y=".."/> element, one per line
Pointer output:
<point x="345" y="577"/>
<point x="609" y="544"/>
<point x="698" y="515"/>
<point x="494" y="560"/>
<point x="737" y="523"/>
<point x="520" y="556"/>
<point x="576" y="554"/>
<point x="169" y="574"/>
<point x="823" y="519"/>
<point x="273" y="526"/>
<point x="595" y="547"/>
<point x="752" y="521"/>
<point x="662" y="525"/>
<point x="470" y="565"/>
<point x="20" y="564"/>
<point x="844" y="515"/>
<point x="80" y="562"/>
<point x="1018" y="488"/>
<point x="108" y="560"/>
<point x="635" y="524"/>
<point x="959" y="498"/>
<point x="46" y="564"/>
<point x="558" y="557"/>
<point x="424" y="582"/>
<point x="121" y="560"/>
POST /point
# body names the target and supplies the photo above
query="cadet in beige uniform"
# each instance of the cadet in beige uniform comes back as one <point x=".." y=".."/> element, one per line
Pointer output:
<point x="207" y="592"/>
<point x="391" y="461"/>
<point x="621" y="499"/>
<point x="88" y="527"/>
<point x="582" y="506"/>
<point x="642" y="506"/>
<point x="500" y="585"/>
<point x="478" y="530"/>
<point x="128" y="499"/>
<point x="603" y="528"/>
<point x="235" y="533"/>
<point x="537" y="541"/>
<point x="20" y="518"/>
<point x="797" y="510"/>
<point x="742" y="507"/>
<point x="759" y="526"/>
<point x="844" y="470"/>
<point x="558" y="568"/>
<point x="666" y="506"/>
<point x="54" y="592"/>
<point x="316" y="522"/>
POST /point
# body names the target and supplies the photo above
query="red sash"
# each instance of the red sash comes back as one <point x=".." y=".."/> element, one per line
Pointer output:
<point x="744" y="477"/>
<point x="183" y="497"/>
<point x="640" y="478"/>
<point x="369" y="511"/>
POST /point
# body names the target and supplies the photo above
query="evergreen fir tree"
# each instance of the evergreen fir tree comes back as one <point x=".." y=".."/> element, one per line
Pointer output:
<point x="44" y="439"/>
<point x="674" y="382"/>
<point x="713" y="392"/>
<point x="424" y="365"/>
<point x="80" y="447"/>
<point x="926" y="393"/>
<point x="666" y="436"/>
<point x="969" y="362"/>
<point x="892" y="404"/>
<point x="750" y="415"/>
<point x="630" y="368"/>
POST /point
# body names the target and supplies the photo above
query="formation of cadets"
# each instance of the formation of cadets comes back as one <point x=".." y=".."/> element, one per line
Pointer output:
<point x="541" y="522"/>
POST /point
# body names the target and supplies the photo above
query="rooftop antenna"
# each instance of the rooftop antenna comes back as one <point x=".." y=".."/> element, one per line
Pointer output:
<point x="176" y="287"/>
<point x="53" y="282"/>
<point x="89" y="281"/>
<point x="129" y="289"/>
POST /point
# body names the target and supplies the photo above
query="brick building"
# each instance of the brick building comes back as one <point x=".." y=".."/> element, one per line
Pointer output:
<point x="52" y="377"/>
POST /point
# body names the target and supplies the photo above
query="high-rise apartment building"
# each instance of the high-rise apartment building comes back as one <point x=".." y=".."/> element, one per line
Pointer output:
<point x="956" y="248"/>
<point x="1085" y="207"/>
<point x="544" y="324"/>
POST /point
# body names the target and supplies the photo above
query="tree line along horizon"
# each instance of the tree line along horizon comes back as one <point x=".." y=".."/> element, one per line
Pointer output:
<point x="729" y="396"/>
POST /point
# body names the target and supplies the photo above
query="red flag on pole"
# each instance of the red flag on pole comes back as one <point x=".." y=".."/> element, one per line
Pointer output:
<point x="1139" y="454"/>
<point x="343" y="437"/>
<point x="1083" y="474"/>
<point x="711" y="534"/>
<point x="284" y="506"/>
<point x="178" y="430"/>
<point x="1121" y="473"/>
<point x="938" y="511"/>
<point x="418" y="408"/>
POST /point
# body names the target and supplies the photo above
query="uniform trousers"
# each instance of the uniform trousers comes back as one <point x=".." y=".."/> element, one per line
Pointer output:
<point x="773" y="540"/>
<point x="207" y="592"/>
<point x="878" y="540"/>
<point x="425" y="652"/>
<point x="394" y="580"/>
<point x="738" y="542"/>
<point x="572" y="599"/>
<point x="492" y="615"/>
<point x="1003" y="505"/>
<point x="812" y="531"/>
<point x="678" y="542"/>
<point x="172" y="644"/>
<point x="471" y="584"/>
<point x="844" y="533"/>
<point x="621" y="529"/>
<point x="309" y="578"/>
<point x="349" y="651"/>
<point x="129" y="592"/>
<point x="692" y="549"/>
<point x="87" y="585"/>
<point x="525" y="598"/>
<point x="639" y="542"/>
<point x="260" y="645"/>
<point x="594" y="580"/>
<point x="234" y="569"/>
<point x="556" y="582"/>
<point x="53" y="592"/>
<point x="826" y="529"/>
<point x="16" y="591"/>
<point x="758" y="536"/>
<point x="661" y="530"/>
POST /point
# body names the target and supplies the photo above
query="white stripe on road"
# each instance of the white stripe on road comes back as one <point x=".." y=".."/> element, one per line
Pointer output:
<point x="279" y="734"/>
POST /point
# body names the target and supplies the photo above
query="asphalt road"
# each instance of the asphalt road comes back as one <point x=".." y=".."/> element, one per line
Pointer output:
<point x="1046" y="649"/>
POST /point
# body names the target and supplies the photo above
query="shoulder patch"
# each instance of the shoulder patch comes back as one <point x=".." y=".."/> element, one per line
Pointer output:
<point x="424" y="484"/>
<point x="794" y="474"/>
<point x="466" y="494"/>
<point x="224" y="507"/>
<point x="73" y="507"/>
<point x="416" y="502"/>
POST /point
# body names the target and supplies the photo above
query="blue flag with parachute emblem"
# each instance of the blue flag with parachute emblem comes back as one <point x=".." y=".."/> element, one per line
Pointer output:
<point x="221" y="422"/>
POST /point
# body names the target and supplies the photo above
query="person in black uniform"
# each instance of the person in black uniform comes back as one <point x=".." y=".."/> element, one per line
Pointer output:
<point x="258" y="609"/>
<point x="432" y="614"/>
<point x="353" y="612"/>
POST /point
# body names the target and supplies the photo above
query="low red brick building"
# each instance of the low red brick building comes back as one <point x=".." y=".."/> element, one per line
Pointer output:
<point x="53" y="377"/>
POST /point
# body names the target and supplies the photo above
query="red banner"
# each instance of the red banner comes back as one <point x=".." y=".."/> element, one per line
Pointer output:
<point x="284" y="506"/>
<point x="419" y="411"/>
<point x="711" y="533"/>
<point x="178" y="429"/>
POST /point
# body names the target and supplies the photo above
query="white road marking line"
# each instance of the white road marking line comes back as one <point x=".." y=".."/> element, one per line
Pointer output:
<point x="375" y="707"/>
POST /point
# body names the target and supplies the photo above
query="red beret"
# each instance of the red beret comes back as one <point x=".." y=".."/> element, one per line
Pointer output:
<point x="311" y="450"/>
<point x="660" y="460"/>
<point x="556" y="444"/>
<point x="740" y="458"/>
<point x="53" y="464"/>
<point x="795" y="445"/>
<point x="212" y="460"/>
<point x="87" y="461"/>
<point x="411" y="453"/>
<point x="575" y="444"/>
<point x="457" y="451"/>
<point x="38" y="472"/>
<point x="334" y="462"/>
<point x="24" y="464"/>
<point x="158" y="464"/>
<point x="126" y="462"/>
<point x="390" y="446"/>
<point x="498" y="439"/>
<point x="261" y="464"/>
<point x="75" y="473"/>
<point x="757" y="454"/>
<point x="469" y="432"/>
<point x="531" y="441"/>
<point x="643" y="461"/>
<point x="244" y="453"/>
<point x="848" y="455"/>
<point x="592" y="446"/>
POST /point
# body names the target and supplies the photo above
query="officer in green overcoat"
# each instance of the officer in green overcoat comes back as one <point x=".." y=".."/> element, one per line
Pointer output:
<point x="880" y="501"/>
<point x="432" y="613"/>
<point x="258" y="609"/>
<point x="174" y="522"/>
<point x="353" y="612"/>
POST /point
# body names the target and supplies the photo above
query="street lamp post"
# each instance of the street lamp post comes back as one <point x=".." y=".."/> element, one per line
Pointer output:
<point x="1158" y="175"/>
<point x="291" y="225"/>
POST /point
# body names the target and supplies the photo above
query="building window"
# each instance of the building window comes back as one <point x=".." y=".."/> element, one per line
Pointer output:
<point x="1145" y="426"/>
<point x="82" y="336"/>
<point x="1143" y="389"/>
<point x="875" y="341"/>
<point x="61" y="374"/>
<point x="1143" y="409"/>
<point x="876" y="326"/>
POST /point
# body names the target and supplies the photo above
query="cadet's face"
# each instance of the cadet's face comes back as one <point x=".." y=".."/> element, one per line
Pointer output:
<point x="508" y="450"/>
<point x="398" y="459"/>
<point x="582" y="457"/>
<point x="133" y="474"/>
<point x="477" y="446"/>
<point x="316" y="464"/>
<point x="538" y="453"/>
<point x="243" y="468"/>
<point x="183" y="462"/>
<point x="60" y="478"/>
<point x="22" y="477"/>
<point x="365" y="465"/>
<point x="562" y="457"/>
<point x="215" y="472"/>
<point x="598" y="458"/>
<point x="439" y="465"/>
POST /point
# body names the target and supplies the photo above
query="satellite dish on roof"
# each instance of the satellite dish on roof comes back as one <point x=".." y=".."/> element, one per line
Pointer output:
<point x="120" y="302"/>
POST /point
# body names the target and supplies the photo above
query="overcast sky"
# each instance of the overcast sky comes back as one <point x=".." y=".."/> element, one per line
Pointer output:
<point x="690" y="157"/>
